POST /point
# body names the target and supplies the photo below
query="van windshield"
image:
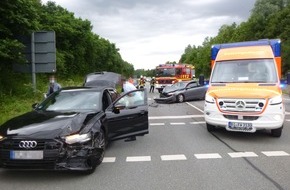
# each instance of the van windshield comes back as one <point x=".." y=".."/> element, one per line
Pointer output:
<point x="240" y="71"/>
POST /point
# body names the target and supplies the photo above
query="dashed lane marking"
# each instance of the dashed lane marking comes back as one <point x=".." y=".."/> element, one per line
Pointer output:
<point x="208" y="156"/>
<point x="176" y="157"/>
<point x="156" y="124"/>
<point x="175" y="117"/>
<point x="242" y="154"/>
<point x="180" y="123"/>
<point x="138" y="159"/>
<point x="173" y="157"/>
<point x="109" y="159"/>
<point x="275" y="153"/>
<point x="197" y="122"/>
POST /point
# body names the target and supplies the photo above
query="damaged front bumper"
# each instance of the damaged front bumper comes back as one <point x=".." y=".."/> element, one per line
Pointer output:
<point x="51" y="155"/>
<point x="164" y="99"/>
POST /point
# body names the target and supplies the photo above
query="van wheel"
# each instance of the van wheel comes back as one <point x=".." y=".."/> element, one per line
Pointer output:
<point x="276" y="132"/>
<point x="180" y="98"/>
<point x="210" y="127"/>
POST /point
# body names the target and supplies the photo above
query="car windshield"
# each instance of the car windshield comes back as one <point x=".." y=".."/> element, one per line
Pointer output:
<point x="179" y="85"/>
<point x="165" y="72"/>
<point x="79" y="101"/>
<point x="251" y="71"/>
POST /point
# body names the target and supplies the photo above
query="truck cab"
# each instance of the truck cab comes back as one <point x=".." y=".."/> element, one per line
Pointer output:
<point x="244" y="93"/>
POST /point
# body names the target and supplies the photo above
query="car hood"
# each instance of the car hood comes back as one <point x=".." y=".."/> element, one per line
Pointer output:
<point x="245" y="91"/>
<point x="171" y="89"/>
<point x="43" y="124"/>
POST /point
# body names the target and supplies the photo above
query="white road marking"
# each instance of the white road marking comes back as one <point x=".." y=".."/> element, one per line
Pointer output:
<point x="109" y="159"/>
<point x="176" y="117"/>
<point x="207" y="156"/>
<point x="197" y="122"/>
<point x="154" y="124"/>
<point x="275" y="153"/>
<point x="180" y="123"/>
<point x="242" y="154"/>
<point x="173" y="157"/>
<point x="194" y="107"/>
<point x="138" y="159"/>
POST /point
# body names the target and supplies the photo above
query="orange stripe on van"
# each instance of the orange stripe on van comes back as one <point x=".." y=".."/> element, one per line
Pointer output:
<point x="249" y="52"/>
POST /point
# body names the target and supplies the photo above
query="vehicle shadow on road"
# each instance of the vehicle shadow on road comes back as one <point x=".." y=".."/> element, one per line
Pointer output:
<point x="34" y="175"/>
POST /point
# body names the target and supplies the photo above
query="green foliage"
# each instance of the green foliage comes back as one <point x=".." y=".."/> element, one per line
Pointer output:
<point x="79" y="52"/>
<point x="269" y="19"/>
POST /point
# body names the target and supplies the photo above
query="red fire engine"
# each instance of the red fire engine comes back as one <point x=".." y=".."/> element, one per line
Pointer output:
<point x="167" y="74"/>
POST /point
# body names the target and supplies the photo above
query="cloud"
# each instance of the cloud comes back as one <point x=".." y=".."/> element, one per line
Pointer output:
<point x="151" y="32"/>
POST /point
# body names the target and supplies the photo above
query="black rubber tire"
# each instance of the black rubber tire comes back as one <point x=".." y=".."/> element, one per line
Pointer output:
<point x="179" y="98"/>
<point x="210" y="127"/>
<point x="276" y="132"/>
<point x="101" y="143"/>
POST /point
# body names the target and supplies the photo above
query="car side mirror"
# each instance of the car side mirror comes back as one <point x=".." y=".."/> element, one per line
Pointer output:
<point x="118" y="107"/>
<point x="34" y="105"/>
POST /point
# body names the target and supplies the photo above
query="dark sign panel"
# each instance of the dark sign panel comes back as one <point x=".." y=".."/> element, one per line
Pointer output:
<point x="40" y="51"/>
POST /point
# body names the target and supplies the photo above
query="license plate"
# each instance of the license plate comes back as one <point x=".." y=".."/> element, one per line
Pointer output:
<point x="240" y="126"/>
<point x="26" y="154"/>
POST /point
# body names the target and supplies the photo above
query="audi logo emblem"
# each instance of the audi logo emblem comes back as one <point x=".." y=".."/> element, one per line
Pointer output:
<point x="27" y="144"/>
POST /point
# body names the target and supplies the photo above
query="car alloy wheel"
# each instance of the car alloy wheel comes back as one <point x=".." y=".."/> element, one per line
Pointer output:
<point x="180" y="98"/>
<point x="100" y="143"/>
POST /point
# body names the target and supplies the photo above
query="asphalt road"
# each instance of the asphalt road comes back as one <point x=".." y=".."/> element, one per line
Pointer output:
<point x="178" y="153"/>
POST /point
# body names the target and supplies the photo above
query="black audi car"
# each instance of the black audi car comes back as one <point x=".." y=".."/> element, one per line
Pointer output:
<point x="70" y="129"/>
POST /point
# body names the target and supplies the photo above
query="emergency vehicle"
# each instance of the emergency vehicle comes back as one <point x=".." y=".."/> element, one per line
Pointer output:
<point x="167" y="74"/>
<point x="244" y="93"/>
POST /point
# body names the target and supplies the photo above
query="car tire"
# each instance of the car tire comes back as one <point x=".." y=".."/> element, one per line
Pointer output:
<point x="180" y="98"/>
<point x="276" y="132"/>
<point x="210" y="127"/>
<point x="101" y="143"/>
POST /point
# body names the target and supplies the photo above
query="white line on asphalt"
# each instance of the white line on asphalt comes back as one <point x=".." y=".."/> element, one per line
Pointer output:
<point x="155" y="124"/>
<point x="109" y="159"/>
<point x="173" y="157"/>
<point x="176" y="117"/>
<point x="242" y="154"/>
<point x="181" y="123"/>
<point x="207" y="156"/>
<point x="275" y="153"/>
<point x="197" y="122"/>
<point x="138" y="159"/>
<point x="194" y="107"/>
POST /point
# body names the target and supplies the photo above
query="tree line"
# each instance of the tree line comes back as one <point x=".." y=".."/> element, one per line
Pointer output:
<point x="269" y="19"/>
<point x="78" y="50"/>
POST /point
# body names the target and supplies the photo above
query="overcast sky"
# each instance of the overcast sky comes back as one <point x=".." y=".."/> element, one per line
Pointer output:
<point x="152" y="32"/>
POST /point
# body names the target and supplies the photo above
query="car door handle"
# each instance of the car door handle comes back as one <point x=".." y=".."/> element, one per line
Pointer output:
<point x="142" y="112"/>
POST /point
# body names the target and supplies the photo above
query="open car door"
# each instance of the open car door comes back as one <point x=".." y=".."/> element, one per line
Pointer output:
<point x="128" y="115"/>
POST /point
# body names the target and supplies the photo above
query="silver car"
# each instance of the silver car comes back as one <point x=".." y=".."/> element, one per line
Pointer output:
<point x="182" y="91"/>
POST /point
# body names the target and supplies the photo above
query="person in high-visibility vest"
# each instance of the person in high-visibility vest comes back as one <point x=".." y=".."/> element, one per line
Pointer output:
<point x="141" y="82"/>
<point x="152" y="84"/>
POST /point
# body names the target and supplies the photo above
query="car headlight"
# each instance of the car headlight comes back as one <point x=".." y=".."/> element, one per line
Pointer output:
<point x="209" y="99"/>
<point x="77" y="138"/>
<point x="276" y="100"/>
<point x="170" y="93"/>
<point x="1" y="137"/>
